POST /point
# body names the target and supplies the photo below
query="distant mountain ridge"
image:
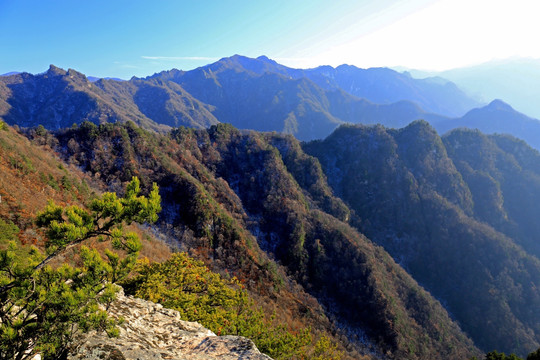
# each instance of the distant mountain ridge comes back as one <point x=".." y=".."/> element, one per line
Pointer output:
<point x="385" y="86"/>
<point x="58" y="99"/>
<point x="11" y="73"/>
<point x="94" y="78"/>
<point x="496" y="117"/>
<point x="317" y="102"/>
<point x="514" y="80"/>
<point x="377" y="85"/>
<point x="257" y="94"/>
<point x="262" y="95"/>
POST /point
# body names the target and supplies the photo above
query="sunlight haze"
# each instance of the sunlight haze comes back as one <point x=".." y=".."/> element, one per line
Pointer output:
<point x="126" y="38"/>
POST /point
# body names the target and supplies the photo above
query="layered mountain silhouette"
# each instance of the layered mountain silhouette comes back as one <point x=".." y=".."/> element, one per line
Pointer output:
<point x="257" y="94"/>
<point x="497" y="117"/>
<point x="378" y="85"/>
<point x="514" y="80"/>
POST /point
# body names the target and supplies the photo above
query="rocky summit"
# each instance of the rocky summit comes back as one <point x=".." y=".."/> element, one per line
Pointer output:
<point x="151" y="332"/>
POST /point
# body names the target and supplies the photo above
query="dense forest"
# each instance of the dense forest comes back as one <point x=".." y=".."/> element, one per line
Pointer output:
<point x="299" y="262"/>
<point x="446" y="209"/>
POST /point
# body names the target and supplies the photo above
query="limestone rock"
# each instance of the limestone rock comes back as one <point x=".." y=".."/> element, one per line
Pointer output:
<point x="152" y="332"/>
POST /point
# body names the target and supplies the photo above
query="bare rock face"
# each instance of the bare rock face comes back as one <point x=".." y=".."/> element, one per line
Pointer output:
<point x="151" y="332"/>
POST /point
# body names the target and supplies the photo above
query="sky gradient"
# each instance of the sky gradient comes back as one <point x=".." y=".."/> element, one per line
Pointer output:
<point x="120" y="38"/>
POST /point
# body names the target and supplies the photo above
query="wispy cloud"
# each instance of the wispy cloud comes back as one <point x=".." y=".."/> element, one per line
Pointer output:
<point x="128" y="66"/>
<point x="169" y="58"/>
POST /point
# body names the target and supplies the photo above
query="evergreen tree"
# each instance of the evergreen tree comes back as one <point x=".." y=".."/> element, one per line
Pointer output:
<point x="43" y="307"/>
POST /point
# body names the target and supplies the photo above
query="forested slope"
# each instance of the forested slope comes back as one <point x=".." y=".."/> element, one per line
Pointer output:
<point x="226" y="192"/>
<point x="433" y="213"/>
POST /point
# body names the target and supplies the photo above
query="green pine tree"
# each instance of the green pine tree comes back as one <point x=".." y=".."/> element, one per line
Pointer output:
<point x="43" y="307"/>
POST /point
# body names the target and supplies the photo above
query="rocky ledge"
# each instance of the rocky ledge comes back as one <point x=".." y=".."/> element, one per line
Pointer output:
<point x="150" y="331"/>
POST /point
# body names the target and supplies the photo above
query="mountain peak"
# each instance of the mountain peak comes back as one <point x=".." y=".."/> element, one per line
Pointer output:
<point x="498" y="104"/>
<point x="75" y="73"/>
<point x="54" y="70"/>
<point x="266" y="59"/>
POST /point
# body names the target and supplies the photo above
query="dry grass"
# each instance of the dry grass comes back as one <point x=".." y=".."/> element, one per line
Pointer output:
<point x="31" y="175"/>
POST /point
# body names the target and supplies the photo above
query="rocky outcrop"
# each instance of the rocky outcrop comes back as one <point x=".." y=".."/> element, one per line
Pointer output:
<point x="151" y="332"/>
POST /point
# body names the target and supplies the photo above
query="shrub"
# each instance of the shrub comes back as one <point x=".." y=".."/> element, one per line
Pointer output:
<point x="222" y="306"/>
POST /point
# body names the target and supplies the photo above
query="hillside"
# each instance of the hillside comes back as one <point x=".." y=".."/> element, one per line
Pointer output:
<point x="229" y="199"/>
<point x="502" y="173"/>
<point x="257" y="206"/>
<point x="30" y="176"/>
<point x="428" y="202"/>
<point x="200" y="215"/>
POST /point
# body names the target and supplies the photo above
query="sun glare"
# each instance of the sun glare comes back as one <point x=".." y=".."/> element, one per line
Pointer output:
<point x="447" y="34"/>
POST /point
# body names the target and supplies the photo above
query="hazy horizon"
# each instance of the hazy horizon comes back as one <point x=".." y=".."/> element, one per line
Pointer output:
<point x="414" y="72"/>
<point x="133" y="38"/>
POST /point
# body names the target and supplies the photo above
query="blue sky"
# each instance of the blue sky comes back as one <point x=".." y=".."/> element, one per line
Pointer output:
<point x="120" y="38"/>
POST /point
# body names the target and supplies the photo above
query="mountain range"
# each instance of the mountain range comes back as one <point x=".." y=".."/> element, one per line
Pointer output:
<point x="346" y="214"/>
<point x="257" y="94"/>
<point x="58" y="99"/>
